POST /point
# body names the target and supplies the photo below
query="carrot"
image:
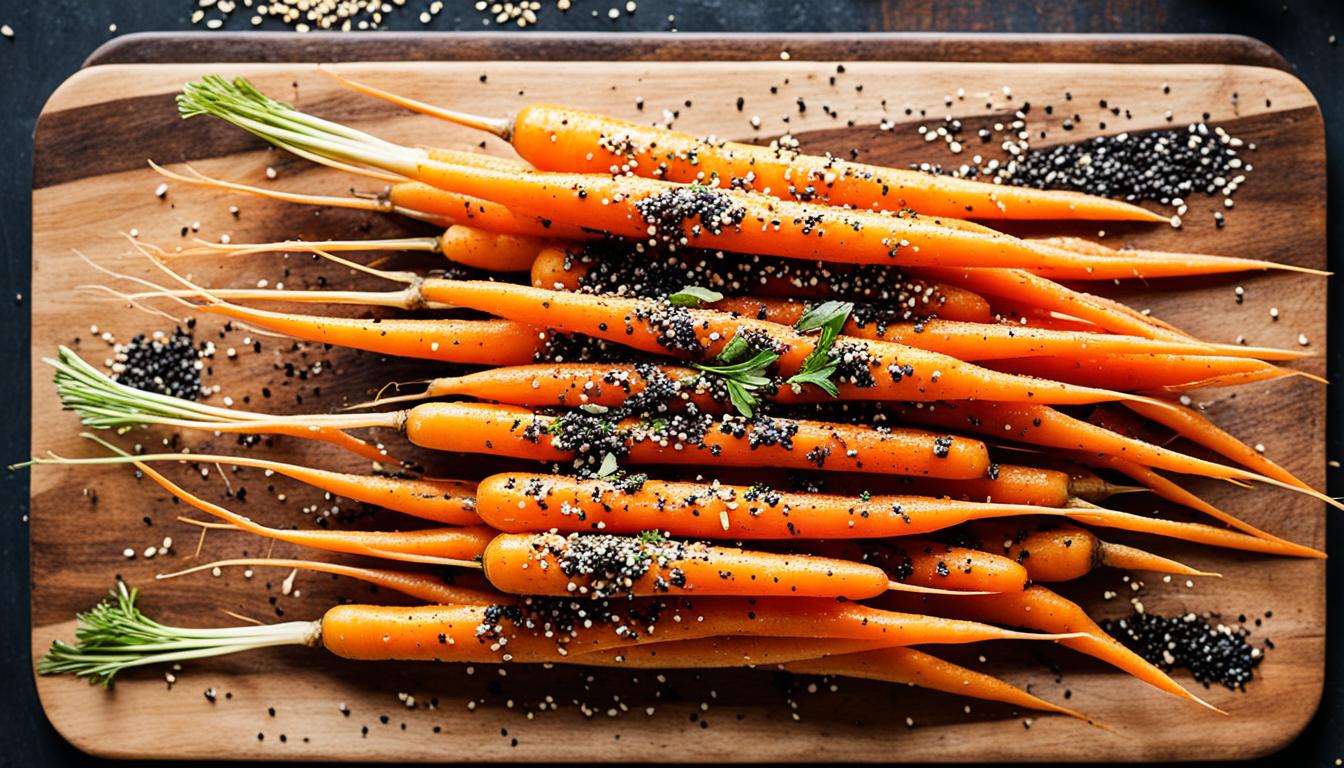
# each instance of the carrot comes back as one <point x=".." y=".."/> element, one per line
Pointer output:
<point x="1065" y="552"/>
<point x="604" y="268"/>
<point x="981" y="341"/>
<point x="913" y="667"/>
<point x="405" y="198"/>
<point x="1138" y="372"/>
<point x="925" y="562"/>
<point x="557" y="138"/>
<point x="635" y="207"/>
<point x="606" y="565"/>
<point x="654" y="327"/>
<point x="1040" y="425"/>
<point x="468" y="246"/>
<point x="1194" y="426"/>
<point x="1019" y="285"/>
<point x="1039" y="608"/>
<point x="519" y="502"/>
<point x="452" y="502"/>
<point x="510" y="431"/>
<point x="1175" y="493"/>
<point x="115" y="636"/>
<point x="1133" y="263"/>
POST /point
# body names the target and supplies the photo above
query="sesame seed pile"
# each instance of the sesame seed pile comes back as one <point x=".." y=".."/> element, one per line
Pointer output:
<point x="1214" y="653"/>
<point x="168" y="365"/>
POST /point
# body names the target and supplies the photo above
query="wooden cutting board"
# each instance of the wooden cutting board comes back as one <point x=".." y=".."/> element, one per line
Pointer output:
<point x="91" y="184"/>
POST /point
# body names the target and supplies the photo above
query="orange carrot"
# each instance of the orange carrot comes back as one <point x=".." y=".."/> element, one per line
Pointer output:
<point x="629" y="206"/>
<point x="980" y="341"/>
<point x="919" y="561"/>
<point x="901" y="296"/>
<point x="1138" y="372"/>
<point x="1194" y="426"/>
<point x="519" y="502"/>
<point x="557" y="138"/>
<point x="1132" y="263"/>
<point x="653" y="327"/>
<point x="1064" y="552"/>
<point x="1039" y="608"/>
<point x="912" y="667"/>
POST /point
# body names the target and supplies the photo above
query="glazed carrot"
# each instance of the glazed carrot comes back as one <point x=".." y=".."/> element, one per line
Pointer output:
<point x="609" y="385"/>
<point x="1019" y="285"/>
<point x="913" y="667"/>
<point x="452" y="502"/>
<point x="510" y="431"/>
<point x="979" y="341"/>
<point x="724" y="652"/>
<point x="1175" y="493"/>
<point x="1039" y="608"/>
<point x="406" y="198"/>
<point x="654" y="327"/>
<point x="636" y="207"/>
<point x="924" y="562"/>
<point x="604" y="268"/>
<point x="519" y="502"/>
<point x="1139" y="372"/>
<point x="557" y="138"/>
<point x="1086" y="512"/>
<point x="1039" y="425"/>
<point x="606" y="565"/>
<point x="1129" y="263"/>
<point x="1194" y="426"/>
<point x="468" y="246"/>
<point x="115" y="636"/>
<point x="1065" y="552"/>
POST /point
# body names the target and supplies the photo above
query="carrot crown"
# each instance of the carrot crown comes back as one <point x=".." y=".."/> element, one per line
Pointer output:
<point x="115" y="635"/>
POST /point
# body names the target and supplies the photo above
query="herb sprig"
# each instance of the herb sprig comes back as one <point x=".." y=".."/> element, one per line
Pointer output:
<point x="742" y="377"/>
<point x="818" y="367"/>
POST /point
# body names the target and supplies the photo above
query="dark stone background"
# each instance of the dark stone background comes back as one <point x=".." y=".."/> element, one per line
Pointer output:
<point x="54" y="36"/>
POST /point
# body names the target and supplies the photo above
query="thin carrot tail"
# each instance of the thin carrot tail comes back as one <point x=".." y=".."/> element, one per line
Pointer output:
<point x="1121" y="556"/>
<point x="493" y="125"/>
<point x="417" y="585"/>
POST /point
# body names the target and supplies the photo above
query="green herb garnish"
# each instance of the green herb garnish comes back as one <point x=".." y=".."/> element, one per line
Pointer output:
<point x="694" y="296"/>
<point x="744" y="377"/>
<point x="818" y="368"/>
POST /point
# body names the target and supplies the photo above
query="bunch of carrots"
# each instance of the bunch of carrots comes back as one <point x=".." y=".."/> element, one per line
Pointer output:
<point x="742" y="312"/>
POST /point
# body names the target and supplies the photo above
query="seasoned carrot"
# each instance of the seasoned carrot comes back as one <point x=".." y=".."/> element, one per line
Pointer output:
<point x="585" y="438"/>
<point x="898" y="296"/>
<point x="1138" y="372"/>
<point x="924" y="562"/>
<point x="979" y="341"/>
<point x="1194" y="426"/>
<point x="628" y="206"/>
<point x="1038" y="608"/>
<point x="913" y="667"/>
<point x="724" y="652"/>
<point x="1063" y="552"/>
<point x="452" y="502"/>
<point x="510" y="431"/>
<point x="519" y="502"/>
<point x="558" y="138"/>
<point x="1019" y="285"/>
<point x="1132" y="263"/>
<point x="1040" y="425"/>
<point x="1175" y="493"/>
<point x="617" y="566"/>
<point x="902" y="372"/>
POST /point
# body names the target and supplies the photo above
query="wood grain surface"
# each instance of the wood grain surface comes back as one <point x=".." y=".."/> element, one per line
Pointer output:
<point x="92" y="185"/>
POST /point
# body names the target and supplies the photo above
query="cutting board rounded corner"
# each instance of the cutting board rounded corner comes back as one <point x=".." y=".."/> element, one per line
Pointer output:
<point x="46" y="687"/>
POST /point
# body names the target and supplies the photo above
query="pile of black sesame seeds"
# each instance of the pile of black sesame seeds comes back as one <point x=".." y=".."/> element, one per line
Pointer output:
<point x="168" y="365"/>
<point x="1162" y="166"/>
<point x="1213" y="653"/>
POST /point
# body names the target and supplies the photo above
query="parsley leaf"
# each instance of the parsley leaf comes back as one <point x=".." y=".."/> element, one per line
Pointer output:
<point x="828" y="317"/>
<point x="694" y="296"/>
<point x="744" y="376"/>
